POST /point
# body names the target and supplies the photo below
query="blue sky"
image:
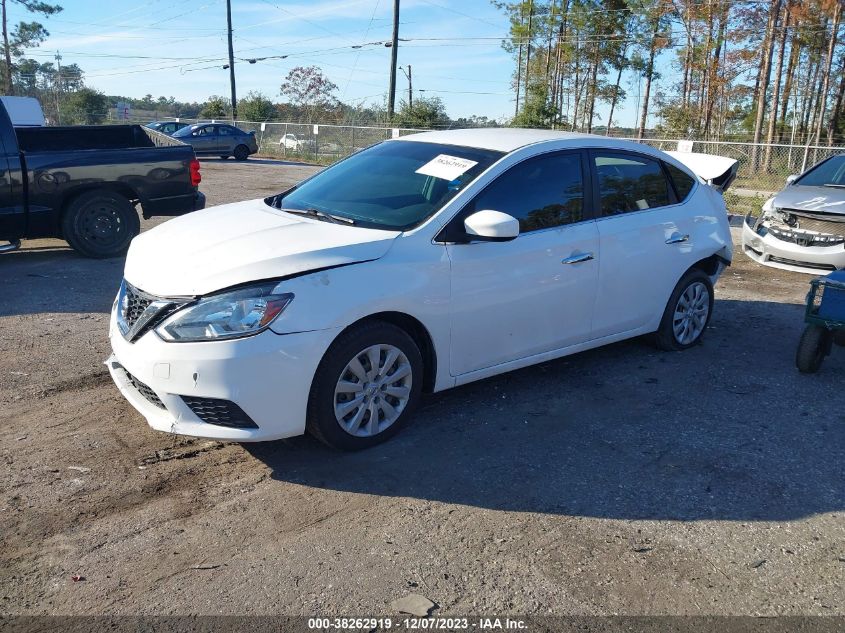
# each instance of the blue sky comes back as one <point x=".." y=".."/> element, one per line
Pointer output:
<point x="177" y="49"/>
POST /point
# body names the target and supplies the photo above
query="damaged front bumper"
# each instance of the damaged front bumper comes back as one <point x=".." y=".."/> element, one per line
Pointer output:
<point x="808" y="245"/>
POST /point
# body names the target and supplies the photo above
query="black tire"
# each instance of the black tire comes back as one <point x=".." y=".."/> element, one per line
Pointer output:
<point x="100" y="224"/>
<point x="321" y="421"/>
<point x="224" y="156"/>
<point x="812" y="348"/>
<point x="241" y="152"/>
<point x="839" y="337"/>
<point x="665" y="337"/>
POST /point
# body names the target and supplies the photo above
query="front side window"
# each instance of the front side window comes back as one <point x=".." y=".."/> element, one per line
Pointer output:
<point x="541" y="192"/>
<point x="394" y="185"/>
<point x="629" y="182"/>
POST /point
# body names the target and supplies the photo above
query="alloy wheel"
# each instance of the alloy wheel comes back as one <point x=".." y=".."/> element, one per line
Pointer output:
<point x="373" y="390"/>
<point x="691" y="313"/>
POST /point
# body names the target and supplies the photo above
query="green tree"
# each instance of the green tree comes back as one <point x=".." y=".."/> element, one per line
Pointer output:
<point x="85" y="107"/>
<point x="24" y="35"/>
<point x="216" y="107"/>
<point x="256" y="107"/>
<point x="425" y="112"/>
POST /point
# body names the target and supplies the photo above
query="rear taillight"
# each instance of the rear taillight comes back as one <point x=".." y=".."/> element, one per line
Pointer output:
<point x="196" y="177"/>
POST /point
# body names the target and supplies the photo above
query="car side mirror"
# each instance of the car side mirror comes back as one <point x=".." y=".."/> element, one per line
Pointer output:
<point x="792" y="178"/>
<point x="491" y="226"/>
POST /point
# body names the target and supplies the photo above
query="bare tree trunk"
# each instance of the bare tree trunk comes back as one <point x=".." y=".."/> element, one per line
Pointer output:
<point x="794" y="54"/>
<point x="713" y="90"/>
<point x="593" y="77"/>
<point x="649" y="75"/>
<point x="831" y="47"/>
<point x="519" y="64"/>
<point x="528" y="47"/>
<point x="765" y="72"/>
<point x="837" y="107"/>
<point x="773" y="117"/>
<point x="621" y="66"/>
<point x="7" y="74"/>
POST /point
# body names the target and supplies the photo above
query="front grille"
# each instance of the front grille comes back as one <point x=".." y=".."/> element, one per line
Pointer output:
<point x="219" y="412"/>
<point x="808" y="231"/>
<point x="793" y="262"/>
<point x="142" y="388"/>
<point x="134" y="305"/>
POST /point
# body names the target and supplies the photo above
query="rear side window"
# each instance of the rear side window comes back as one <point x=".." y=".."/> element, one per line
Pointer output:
<point x="629" y="182"/>
<point x="541" y="192"/>
<point x="683" y="181"/>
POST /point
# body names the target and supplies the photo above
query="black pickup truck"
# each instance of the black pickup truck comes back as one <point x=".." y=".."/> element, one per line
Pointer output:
<point x="82" y="184"/>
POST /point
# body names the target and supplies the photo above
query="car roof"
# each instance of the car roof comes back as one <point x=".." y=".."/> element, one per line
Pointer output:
<point x="510" y="139"/>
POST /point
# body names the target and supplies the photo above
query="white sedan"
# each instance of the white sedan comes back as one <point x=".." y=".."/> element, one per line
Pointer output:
<point x="418" y="264"/>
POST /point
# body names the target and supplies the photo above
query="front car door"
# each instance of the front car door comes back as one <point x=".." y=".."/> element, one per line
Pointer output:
<point x="645" y="238"/>
<point x="534" y="294"/>
<point x="204" y="139"/>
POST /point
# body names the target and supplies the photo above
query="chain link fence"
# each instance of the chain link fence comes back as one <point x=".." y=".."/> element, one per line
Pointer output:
<point x="763" y="168"/>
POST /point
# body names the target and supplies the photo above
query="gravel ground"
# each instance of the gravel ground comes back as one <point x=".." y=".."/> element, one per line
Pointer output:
<point x="617" y="481"/>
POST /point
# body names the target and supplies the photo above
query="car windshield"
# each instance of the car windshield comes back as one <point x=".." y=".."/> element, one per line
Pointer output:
<point x="185" y="131"/>
<point x="829" y="173"/>
<point x="395" y="185"/>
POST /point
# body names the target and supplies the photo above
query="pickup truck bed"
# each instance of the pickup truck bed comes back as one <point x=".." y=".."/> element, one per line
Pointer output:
<point x="83" y="183"/>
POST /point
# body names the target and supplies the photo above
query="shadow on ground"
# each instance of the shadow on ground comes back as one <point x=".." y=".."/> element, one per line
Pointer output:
<point x="726" y="431"/>
<point x="54" y="278"/>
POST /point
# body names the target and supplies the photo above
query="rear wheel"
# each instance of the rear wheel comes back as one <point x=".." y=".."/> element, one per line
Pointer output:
<point x="366" y="387"/>
<point x="241" y="152"/>
<point x="224" y="156"/>
<point x="812" y="348"/>
<point x="687" y="314"/>
<point x="100" y="224"/>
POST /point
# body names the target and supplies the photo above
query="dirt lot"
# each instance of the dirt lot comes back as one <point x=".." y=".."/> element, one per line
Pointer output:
<point x="622" y="480"/>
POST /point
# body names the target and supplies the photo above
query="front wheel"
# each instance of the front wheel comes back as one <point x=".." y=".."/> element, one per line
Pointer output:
<point x="100" y="224"/>
<point x="812" y="348"/>
<point x="366" y="387"/>
<point x="241" y="152"/>
<point x="687" y="314"/>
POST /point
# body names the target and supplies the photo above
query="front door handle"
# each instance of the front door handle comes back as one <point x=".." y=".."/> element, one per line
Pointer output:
<point x="677" y="238"/>
<point x="577" y="259"/>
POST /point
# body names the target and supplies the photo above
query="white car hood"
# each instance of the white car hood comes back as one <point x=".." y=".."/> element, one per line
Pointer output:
<point x="231" y="244"/>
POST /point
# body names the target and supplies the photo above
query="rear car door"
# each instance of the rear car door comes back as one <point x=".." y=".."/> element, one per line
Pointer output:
<point x="533" y="294"/>
<point x="227" y="138"/>
<point x="645" y="236"/>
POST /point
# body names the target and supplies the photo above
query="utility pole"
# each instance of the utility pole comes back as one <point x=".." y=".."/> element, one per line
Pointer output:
<point x="232" y="60"/>
<point x="410" y="86"/>
<point x="58" y="59"/>
<point x="391" y="98"/>
<point x="8" y="86"/>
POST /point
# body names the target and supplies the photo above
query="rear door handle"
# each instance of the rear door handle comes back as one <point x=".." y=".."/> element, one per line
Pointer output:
<point x="677" y="238"/>
<point x="577" y="259"/>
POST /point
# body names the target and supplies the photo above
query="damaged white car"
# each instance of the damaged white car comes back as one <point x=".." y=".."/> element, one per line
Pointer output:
<point x="802" y="228"/>
<point x="418" y="264"/>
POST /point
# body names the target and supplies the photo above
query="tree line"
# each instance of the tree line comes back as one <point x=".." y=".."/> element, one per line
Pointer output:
<point x="764" y="70"/>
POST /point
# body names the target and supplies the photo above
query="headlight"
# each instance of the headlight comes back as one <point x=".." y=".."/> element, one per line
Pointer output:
<point x="233" y="314"/>
<point x="768" y="205"/>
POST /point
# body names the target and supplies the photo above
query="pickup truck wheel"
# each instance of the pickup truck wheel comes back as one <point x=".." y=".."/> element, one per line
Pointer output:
<point x="241" y="152"/>
<point x="224" y="156"/>
<point x="100" y="224"/>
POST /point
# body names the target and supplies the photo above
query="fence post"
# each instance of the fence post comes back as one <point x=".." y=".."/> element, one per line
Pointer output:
<point x="284" y="143"/>
<point x="352" y="149"/>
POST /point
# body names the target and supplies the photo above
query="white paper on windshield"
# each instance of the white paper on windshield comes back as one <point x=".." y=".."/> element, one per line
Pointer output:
<point x="446" y="167"/>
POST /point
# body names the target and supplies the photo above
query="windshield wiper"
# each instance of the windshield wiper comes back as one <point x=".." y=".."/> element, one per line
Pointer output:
<point x="320" y="215"/>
